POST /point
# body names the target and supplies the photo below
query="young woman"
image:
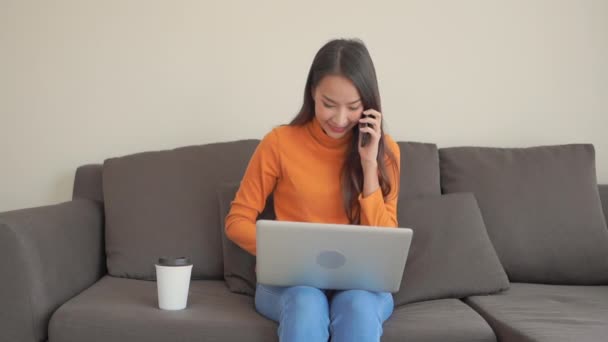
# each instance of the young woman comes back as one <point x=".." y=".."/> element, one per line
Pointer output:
<point x="331" y="164"/>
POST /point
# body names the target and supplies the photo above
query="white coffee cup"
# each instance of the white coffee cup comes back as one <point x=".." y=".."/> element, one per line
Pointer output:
<point x="173" y="282"/>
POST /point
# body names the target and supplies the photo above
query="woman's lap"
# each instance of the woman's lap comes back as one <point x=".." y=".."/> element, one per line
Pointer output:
<point x="270" y="300"/>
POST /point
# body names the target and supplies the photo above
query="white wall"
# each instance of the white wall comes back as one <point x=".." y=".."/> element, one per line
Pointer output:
<point x="81" y="81"/>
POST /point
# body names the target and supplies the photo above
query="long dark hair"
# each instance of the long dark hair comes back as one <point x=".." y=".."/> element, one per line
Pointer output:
<point x="349" y="58"/>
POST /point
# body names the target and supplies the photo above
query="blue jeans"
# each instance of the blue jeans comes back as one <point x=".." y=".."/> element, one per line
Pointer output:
<point x="308" y="314"/>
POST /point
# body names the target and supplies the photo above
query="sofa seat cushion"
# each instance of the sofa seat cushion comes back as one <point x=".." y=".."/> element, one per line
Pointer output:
<point x="119" y="309"/>
<point x="534" y="312"/>
<point x="442" y="320"/>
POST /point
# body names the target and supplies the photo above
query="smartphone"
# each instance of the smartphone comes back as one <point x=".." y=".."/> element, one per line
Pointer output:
<point x="365" y="137"/>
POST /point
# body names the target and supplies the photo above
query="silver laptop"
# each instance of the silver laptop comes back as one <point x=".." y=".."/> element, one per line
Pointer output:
<point x="331" y="256"/>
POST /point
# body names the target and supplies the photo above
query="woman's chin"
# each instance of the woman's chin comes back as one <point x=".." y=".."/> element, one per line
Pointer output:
<point x="337" y="135"/>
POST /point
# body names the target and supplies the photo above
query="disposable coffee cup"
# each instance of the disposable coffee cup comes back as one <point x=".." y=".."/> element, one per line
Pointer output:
<point x="173" y="282"/>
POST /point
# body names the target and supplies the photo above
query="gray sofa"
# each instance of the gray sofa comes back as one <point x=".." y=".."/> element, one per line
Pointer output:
<point x="83" y="270"/>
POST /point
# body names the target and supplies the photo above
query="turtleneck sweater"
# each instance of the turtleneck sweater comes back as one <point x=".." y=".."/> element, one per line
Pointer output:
<point x="301" y="166"/>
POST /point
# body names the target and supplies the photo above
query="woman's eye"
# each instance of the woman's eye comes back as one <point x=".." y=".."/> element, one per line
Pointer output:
<point x="353" y="108"/>
<point x="327" y="105"/>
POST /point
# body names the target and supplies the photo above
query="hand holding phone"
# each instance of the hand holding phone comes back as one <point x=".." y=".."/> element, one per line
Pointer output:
<point x="365" y="137"/>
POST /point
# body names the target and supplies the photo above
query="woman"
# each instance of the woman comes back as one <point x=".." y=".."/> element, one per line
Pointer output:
<point x="331" y="164"/>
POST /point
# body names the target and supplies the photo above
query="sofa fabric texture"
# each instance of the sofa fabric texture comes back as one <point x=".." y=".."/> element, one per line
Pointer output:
<point x="443" y="320"/>
<point x="119" y="309"/>
<point x="546" y="313"/>
<point x="541" y="209"/>
<point x="47" y="255"/>
<point x="165" y="204"/>
<point x="451" y="255"/>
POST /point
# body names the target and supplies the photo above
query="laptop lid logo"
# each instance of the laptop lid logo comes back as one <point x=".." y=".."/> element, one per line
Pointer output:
<point x="331" y="259"/>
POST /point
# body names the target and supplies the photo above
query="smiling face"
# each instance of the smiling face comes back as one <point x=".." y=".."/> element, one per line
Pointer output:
<point x="338" y="105"/>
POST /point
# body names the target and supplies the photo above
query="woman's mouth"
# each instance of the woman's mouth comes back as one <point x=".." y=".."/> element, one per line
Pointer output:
<point x="337" y="129"/>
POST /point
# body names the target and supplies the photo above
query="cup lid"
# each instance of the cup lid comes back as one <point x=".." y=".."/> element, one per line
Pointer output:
<point x="174" y="261"/>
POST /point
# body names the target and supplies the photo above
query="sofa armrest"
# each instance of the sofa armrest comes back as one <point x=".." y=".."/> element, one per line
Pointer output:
<point x="604" y="198"/>
<point x="47" y="255"/>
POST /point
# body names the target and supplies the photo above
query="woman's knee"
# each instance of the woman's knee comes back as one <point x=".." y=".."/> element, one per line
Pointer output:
<point x="353" y="301"/>
<point x="305" y="299"/>
<point x="360" y="302"/>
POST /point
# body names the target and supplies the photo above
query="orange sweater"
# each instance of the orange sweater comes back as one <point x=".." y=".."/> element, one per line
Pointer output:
<point x="302" y="165"/>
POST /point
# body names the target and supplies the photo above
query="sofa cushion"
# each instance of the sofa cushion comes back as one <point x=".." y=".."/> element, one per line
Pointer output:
<point x="118" y="309"/>
<point x="165" y="203"/>
<point x="419" y="170"/>
<point x="552" y="313"/>
<point x="239" y="265"/>
<point x="541" y="208"/>
<point x="451" y="255"/>
<point x="443" y="320"/>
<point x="87" y="183"/>
<point x="604" y="198"/>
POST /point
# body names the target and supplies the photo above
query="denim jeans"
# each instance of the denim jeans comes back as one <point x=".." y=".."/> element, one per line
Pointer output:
<point x="308" y="314"/>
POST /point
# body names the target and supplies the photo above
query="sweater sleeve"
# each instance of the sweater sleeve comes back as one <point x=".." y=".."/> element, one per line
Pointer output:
<point x="375" y="209"/>
<point x="258" y="182"/>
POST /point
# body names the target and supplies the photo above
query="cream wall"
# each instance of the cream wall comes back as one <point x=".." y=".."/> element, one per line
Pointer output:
<point x="81" y="81"/>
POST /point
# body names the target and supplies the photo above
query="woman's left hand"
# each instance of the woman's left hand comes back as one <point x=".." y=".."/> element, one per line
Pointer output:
<point x="369" y="153"/>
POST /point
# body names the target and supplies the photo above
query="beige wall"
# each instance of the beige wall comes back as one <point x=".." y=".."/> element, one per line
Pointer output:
<point x="81" y="81"/>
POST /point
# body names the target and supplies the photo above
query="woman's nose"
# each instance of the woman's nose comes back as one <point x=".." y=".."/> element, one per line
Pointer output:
<point x="342" y="118"/>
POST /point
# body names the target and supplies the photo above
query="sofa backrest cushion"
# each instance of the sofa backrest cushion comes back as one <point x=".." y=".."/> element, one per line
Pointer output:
<point x="451" y="255"/>
<point x="604" y="198"/>
<point x="419" y="170"/>
<point x="164" y="203"/>
<point x="541" y="208"/>
<point x="87" y="183"/>
<point x="239" y="265"/>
